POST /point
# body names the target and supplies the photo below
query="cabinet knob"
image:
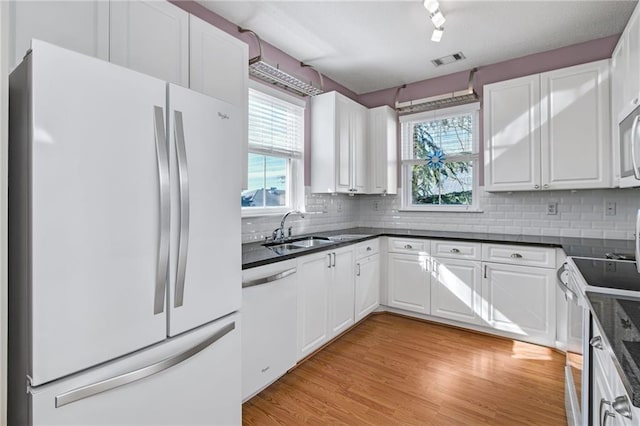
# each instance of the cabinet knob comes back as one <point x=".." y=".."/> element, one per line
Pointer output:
<point x="454" y="250"/>
<point x="536" y="186"/>
<point x="545" y="186"/>
<point x="596" y="342"/>
<point x="223" y="116"/>
<point x="635" y="101"/>
<point x="516" y="256"/>
<point x="408" y="246"/>
<point x="625" y="323"/>
<point x="369" y="248"/>
<point x="621" y="405"/>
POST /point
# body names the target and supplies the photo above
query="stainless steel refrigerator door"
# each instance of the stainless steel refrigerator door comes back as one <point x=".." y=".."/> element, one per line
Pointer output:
<point x="185" y="388"/>
<point x="206" y="261"/>
<point x="99" y="212"/>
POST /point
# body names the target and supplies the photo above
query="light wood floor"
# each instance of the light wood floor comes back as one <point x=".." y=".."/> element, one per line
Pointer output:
<point x="391" y="370"/>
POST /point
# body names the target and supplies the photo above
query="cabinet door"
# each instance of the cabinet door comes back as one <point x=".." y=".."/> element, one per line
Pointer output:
<point x="455" y="290"/>
<point x="360" y="148"/>
<point x="382" y="139"/>
<point x="409" y="282"/>
<point x="151" y="37"/>
<point x="512" y="135"/>
<point x="343" y="144"/>
<point x="314" y="274"/>
<point x="632" y="81"/>
<point x="575" y="131"/>
<point x="342" y="291"/>
<point x="218" y="67"/>
<point x="367" y="286"/>
<point x="618" y="95"/>
<point x="520" y="300"/>
<point x="82" y="26"/>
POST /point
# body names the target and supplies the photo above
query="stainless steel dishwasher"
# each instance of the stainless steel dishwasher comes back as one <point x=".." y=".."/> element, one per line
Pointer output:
<point x="269" y="318"/>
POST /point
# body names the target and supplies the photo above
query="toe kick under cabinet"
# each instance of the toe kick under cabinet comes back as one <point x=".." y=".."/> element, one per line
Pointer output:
<point x="504" y="289"/>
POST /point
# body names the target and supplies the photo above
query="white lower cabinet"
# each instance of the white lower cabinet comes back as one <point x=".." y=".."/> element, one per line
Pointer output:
<point x="520" y="300"/>
<point x="367" y="286"/>
<point x="313" y="302"/>
<point x="341" y="291"/>
<point x="326" y="297"/>
<point x="409" y="282"/>
<point x="456" y="290"/>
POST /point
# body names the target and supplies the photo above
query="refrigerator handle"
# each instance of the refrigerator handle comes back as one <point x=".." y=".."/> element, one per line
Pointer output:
<point x="165" y="220"/>
<point x="183" y="175"/>
<point x="139" y="374"/>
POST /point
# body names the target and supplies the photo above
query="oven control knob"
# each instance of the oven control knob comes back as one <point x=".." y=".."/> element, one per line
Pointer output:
<point x="596" y="342"/>
<point x="621" y="405"/>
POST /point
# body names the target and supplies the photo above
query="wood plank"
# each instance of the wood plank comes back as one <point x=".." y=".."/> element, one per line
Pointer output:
<point x="395" y="370"/>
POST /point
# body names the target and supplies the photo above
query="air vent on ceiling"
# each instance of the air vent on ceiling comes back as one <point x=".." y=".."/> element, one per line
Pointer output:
<point x="448" y="59"/>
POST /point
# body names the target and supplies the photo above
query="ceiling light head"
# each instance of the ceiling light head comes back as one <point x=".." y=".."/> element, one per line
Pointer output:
<point x="438" y="19"/>
<point x="437" y="34"/>
<point x="431" y="5"/>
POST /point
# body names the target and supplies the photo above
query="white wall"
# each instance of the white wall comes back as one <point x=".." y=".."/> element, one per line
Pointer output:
<point x="4" y="65"/>
<point x="580" y="214"/>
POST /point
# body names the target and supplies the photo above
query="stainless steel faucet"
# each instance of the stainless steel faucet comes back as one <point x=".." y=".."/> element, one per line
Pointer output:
<point x="278" y="233"/>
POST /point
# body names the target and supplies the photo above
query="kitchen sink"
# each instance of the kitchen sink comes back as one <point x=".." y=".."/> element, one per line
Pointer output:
<point x="298" y="243"/>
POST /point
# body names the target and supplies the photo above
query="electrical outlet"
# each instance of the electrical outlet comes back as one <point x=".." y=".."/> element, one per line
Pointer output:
<point x="610" y="267"/>
<point x="376" y="206"/>
<point x="339" y="206"/>
<point x="610" y="209"/>
<point x="552" y="208"/>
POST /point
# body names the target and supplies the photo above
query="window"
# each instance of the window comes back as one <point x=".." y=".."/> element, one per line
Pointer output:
<point x="439" y="159"/>
<point x="276" y="139"/>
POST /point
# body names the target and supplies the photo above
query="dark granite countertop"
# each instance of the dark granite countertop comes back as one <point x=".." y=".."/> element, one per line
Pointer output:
<point x="255" y="254"/>
<point x="619" y="320"/>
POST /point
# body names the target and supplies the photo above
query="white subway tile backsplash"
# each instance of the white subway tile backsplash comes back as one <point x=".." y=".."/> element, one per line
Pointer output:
<point x="580" y="214"/>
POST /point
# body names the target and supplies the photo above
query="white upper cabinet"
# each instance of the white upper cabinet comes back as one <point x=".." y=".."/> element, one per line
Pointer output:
<point x="338" y="145"/>
<point x="219" y="67"/>
<point x="512" y="135"/>
<point x="631" y="37"/>
<point x="575" y="128"/>
<point x="82" y="26"/>
<point x="549" y="131"/>
<point x="383" y="145"/>
<point x="151" y="37"/>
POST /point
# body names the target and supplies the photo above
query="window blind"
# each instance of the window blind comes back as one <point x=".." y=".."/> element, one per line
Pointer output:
<point x="275" y="126"/>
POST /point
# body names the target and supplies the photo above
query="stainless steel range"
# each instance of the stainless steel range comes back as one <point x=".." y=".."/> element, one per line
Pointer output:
<point x="577" y="276"/>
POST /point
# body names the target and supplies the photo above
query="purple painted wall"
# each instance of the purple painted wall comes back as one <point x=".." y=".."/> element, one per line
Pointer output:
<point x="532" y="64"/>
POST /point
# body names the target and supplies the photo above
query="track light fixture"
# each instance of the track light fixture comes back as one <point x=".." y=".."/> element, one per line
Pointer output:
<point x="437" y="34"/>
<point x="437" y="17"/>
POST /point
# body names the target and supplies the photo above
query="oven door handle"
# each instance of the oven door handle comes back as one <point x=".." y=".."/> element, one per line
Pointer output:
<point x="568" y="293"/>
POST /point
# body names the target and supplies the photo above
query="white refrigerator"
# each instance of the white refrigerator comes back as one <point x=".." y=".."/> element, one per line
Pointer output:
<point x="125" y="255"/>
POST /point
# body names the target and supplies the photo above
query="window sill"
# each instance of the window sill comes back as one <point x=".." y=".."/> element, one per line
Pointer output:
<point x="263" y="213"/>
<point x="442" y="209"/>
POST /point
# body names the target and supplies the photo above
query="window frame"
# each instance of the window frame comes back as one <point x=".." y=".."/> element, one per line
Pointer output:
<point x="407" y="123"/>
<point x="295" y="166"/>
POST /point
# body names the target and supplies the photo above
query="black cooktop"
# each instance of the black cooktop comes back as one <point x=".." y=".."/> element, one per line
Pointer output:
<point x="621" y="275"/>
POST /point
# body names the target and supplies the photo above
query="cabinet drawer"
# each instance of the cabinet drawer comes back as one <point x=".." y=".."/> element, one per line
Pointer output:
<point x="456" y="249"/>
<point x="367" y="248"/>
<point x="519" y="255"/>
<point x="408" y="245"/>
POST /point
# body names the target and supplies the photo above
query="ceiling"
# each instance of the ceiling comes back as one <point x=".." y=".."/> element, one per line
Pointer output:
<point x="372" y="45"/>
